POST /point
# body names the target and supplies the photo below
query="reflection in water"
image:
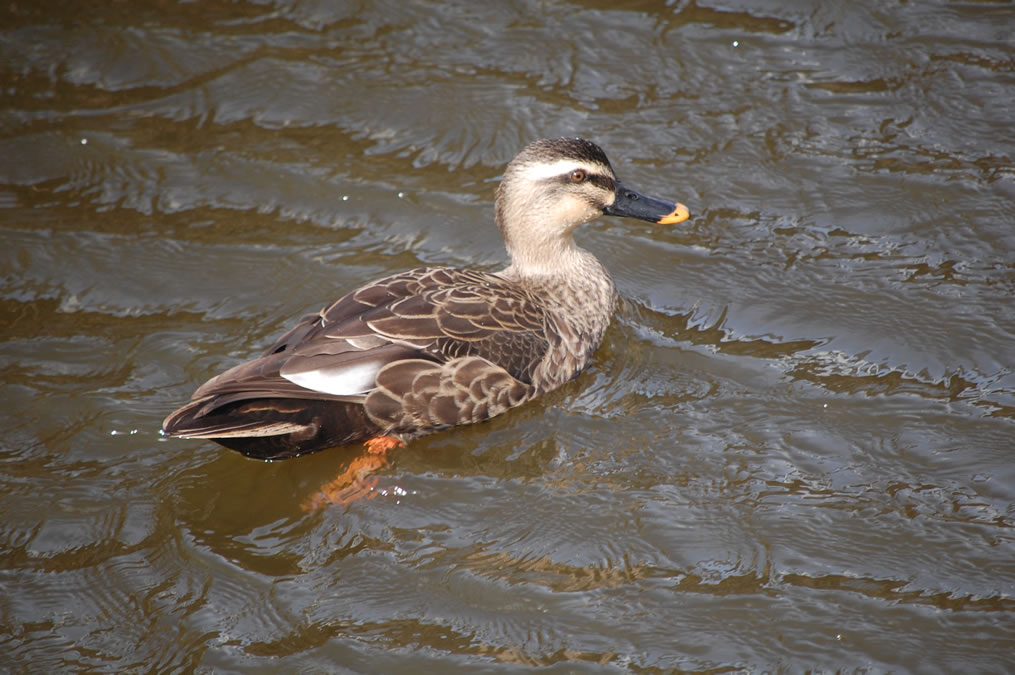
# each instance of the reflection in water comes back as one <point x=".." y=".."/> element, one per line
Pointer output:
<point x="792" y="450"/>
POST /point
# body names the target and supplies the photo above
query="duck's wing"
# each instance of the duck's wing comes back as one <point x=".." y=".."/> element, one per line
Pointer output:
<point x="405" y="324"/>
<point x="478" y="341"/>
<point x="430" y="314"/>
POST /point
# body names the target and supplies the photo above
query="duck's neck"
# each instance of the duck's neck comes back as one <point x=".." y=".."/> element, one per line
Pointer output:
<point x="575" y="288"/>
<point x="547" y="259"/>
<point x="567" y="280"/>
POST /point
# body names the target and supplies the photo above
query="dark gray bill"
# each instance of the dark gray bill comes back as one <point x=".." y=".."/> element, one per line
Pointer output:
<point x="633" y="204"/>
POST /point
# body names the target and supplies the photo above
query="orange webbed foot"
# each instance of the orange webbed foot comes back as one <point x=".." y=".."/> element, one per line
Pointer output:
<point x="382" y="445"/>
<point x="356" y="482"/>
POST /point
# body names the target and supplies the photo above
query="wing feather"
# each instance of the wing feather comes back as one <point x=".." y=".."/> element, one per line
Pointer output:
<point x="419" y="350"/>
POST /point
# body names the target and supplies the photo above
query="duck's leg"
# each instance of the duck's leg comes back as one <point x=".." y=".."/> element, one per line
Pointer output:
<point x="355" y="482"/>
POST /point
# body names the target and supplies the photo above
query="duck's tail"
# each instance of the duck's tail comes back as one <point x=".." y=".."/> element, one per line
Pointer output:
<point x="272" y="428"/>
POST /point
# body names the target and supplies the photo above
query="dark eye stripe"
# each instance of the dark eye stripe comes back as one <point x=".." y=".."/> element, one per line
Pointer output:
<point x="599" y="180"/>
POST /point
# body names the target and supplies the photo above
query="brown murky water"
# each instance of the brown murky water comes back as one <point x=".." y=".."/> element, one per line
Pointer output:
<point x="794" y="450"/>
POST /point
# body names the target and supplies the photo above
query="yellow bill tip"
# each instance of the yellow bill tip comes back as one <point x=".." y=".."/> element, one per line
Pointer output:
<point x="678" y="215"/>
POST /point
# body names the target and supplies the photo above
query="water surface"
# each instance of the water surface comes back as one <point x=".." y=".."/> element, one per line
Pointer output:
<point x="793" y="451"/>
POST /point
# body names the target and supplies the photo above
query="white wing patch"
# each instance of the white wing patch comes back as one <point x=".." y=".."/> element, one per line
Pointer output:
<point x="345" y="380"/>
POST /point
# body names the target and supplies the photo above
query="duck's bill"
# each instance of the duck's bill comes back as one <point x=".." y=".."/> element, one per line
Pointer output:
<point x="632" y="204"/>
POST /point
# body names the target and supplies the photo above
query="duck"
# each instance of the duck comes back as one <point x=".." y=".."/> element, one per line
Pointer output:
<point x="437" y="347"/>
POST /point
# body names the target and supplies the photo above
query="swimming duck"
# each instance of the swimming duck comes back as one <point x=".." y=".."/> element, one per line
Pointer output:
<point x="436" y="347"/>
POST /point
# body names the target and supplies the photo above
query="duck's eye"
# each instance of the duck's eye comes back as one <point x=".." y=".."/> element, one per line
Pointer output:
<point x="578" y="176"/>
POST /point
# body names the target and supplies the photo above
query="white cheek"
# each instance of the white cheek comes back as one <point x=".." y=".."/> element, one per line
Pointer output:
<point x="349" y="380"/>
<point x="573" y="211"/>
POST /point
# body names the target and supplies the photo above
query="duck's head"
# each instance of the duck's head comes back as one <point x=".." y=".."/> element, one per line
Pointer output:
<point x="555" y="185"/>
